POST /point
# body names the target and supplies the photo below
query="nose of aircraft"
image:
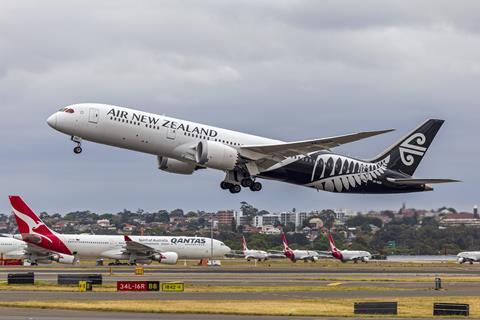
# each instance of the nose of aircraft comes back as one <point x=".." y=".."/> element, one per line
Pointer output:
<point x="52" y="120"/>
<point x="226" y="249"/>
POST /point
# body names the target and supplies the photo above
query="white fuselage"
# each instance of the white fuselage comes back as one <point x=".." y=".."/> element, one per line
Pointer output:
<point x="114" y="247"/>
<point x="305" y="255"/>
<point x="144" y="132"/>
<point x="350" y="255"/>
<point x="255" y="254"/>
<point x="468" y="256"/>
<point x="11" y="248"/>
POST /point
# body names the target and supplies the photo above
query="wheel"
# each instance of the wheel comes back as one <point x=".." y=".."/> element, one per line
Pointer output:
<point x="235" y="188"/>
<point x="77" y="150"/>
<point x="225" y="185"/>
<point x="256" y="186"/>
<point x="246" y="182"/>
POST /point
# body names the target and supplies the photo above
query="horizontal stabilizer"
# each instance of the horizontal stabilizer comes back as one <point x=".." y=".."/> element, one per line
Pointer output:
<point x="409" y="182"/>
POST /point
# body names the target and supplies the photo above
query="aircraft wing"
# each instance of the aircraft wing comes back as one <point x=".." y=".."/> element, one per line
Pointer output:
<point x="36" y="250"/>
<point x="411" y="181"/>
<point x="137" y="247"/>
<point x="280" y="151"/>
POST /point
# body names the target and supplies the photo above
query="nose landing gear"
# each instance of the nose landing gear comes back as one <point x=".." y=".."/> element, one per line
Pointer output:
<point x="78" y="141"/>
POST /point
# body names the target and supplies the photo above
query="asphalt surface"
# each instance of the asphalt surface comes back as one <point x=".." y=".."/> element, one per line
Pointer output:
<point x="40" y="314"/>
<point x="348" y="269"/>
<point x="376" y="279"/>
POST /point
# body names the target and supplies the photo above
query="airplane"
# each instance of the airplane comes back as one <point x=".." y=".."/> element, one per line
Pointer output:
<point x="468" y="256"/>
<point x="12" y="248"/>
<point x="348" y="255"/>
<point x="182" y="147"/>
<point x="294" y="255"/>
<point x="258" y="255"/>
<point x="135" y="249"/>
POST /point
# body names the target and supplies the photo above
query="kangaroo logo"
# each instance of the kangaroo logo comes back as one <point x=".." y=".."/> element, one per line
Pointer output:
<point x="412" y="146"/>
<point x="33" y="226"/>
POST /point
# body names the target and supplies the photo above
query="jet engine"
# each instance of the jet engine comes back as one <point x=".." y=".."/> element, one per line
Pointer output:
<point x="166" y="257"/>
<point x="216" y="155"/>
<point x="175" y="166"/>
<point x="461" y="260"/>
<point x="365" y="259"/>
<point x="63" y="258"/>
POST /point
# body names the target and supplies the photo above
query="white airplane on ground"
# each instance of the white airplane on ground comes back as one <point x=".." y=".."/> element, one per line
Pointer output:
<point x="294" y="255"/>
<point x="253" y="254"/>
<point x="183" y="147"/>
<point x="348" y="255"/>
<point x="11" y="248"/>
<point x="468" y="256"/>
<point x="135" y="249"/>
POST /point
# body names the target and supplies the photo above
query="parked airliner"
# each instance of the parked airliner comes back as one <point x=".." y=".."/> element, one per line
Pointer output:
<point x="295" y="255"/>
<point x="182" y="147"/>
<point x="11" y="248"/>
<point x="135" y="249"/>
<point x="468" y="256"/>
<point x="348" y="255"/>
<point x="249" y="254"/>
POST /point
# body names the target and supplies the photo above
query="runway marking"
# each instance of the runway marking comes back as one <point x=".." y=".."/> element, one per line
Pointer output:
<point x="334" y="284"/>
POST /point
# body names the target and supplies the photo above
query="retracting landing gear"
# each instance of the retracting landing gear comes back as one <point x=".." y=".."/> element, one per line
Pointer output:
<point x="235" y="180"/>
<point x="78" y="141"/>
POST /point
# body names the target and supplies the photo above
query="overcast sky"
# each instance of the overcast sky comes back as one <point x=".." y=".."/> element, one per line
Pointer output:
<point x="283" y="69"/>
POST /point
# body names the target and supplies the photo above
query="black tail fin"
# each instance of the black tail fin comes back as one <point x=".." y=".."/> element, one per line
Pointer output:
<point x="405" y="155"/>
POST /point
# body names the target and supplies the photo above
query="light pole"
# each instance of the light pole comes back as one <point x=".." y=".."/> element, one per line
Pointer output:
<point x="211" y="238"/>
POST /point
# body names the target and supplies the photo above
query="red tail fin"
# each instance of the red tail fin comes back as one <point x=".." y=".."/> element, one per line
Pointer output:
<point x="332" y="243"/>
<point x="285" y="242"/>
<point x="26" y="219"/>
<point x="33" y="229"/>
<point x="244" y="244"/>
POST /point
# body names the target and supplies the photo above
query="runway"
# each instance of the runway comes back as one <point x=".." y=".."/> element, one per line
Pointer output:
<point x="233" y="284"/>
<point x="50" y="314"/>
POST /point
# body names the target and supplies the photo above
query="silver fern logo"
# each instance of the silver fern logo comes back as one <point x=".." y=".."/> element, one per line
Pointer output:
<point x="354" y="173"/>
<point x="412" y="146"/>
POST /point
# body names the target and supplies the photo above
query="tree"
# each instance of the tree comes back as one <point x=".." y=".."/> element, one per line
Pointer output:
<point x="328" y="217"/>
<point x="247" y="209"/>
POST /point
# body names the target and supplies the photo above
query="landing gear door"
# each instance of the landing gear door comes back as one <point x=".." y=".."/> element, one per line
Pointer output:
<point x="93" y="115"/>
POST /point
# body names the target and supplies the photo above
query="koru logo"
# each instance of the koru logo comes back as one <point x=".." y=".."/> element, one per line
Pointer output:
<point x="412" y="146"/>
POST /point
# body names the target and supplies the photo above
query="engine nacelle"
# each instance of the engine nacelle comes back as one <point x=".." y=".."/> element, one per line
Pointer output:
<point x="175" y="166"/>
<point x="216" y="155"/>
<point x="461" y="260"/>
<point x="365" y="259"/>
<point x="166" y="257"/>
<point x="63" y="258"/>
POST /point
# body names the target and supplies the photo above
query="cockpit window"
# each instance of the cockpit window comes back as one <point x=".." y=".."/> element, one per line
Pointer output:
<point x="67" y="110"/>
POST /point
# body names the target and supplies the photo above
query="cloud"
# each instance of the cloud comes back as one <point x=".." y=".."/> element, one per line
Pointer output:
<point x="283" y="69"/>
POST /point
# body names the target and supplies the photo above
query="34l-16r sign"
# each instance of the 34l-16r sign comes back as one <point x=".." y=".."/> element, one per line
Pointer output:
<point x="138" y="285"/>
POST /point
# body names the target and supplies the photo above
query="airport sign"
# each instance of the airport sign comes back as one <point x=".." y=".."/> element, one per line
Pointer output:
<point x="173" y="287"/>
<point x="138" y="285"/>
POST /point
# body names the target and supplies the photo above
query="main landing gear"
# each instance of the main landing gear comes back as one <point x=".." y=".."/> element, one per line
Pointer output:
<point x="78" y="141"/>
<point x="246" y="183"/>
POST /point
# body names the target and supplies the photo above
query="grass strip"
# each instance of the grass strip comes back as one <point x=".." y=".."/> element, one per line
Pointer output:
<point x="408" y="307"/>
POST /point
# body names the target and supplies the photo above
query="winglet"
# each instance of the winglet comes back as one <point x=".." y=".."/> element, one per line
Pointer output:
<point x="127" y="238"/>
